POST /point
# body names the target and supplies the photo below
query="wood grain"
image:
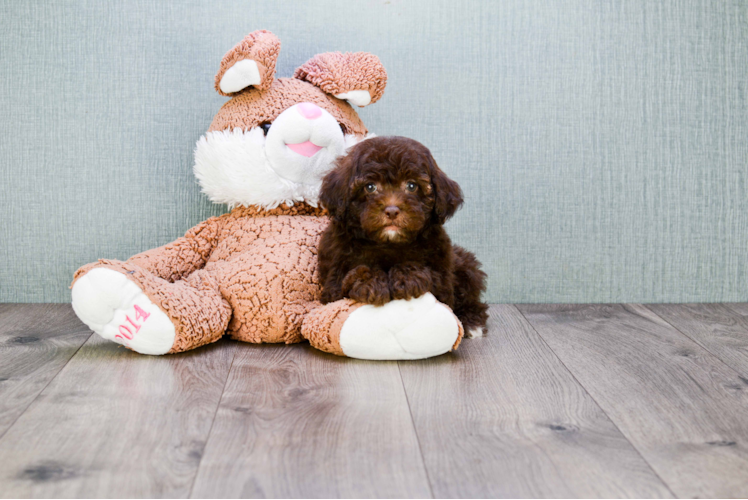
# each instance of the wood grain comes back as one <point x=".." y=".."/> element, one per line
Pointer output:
<point x="36" y="340"/>
<point x="681" y="407"/>
<point x="640" y="403"/>
<point x="295" y="422"/>
<point x="502" y="417"/>
<point x="721" y="329"/>
<point x="114" y="423"/>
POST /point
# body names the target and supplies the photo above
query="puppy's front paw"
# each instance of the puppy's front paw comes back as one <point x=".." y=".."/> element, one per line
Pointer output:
<point x="368" y="286"/>
<point x="408" y="281"/>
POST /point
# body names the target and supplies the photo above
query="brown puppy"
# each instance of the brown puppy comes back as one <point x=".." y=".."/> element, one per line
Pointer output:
<point x="388" y="201"/>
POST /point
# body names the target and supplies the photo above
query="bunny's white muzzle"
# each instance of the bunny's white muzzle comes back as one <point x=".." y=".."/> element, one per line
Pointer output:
<point x="303" y="142"/>
<point x="247" y="168"/>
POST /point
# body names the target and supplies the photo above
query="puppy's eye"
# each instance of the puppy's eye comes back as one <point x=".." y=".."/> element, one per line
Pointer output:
<point x="411" y="186"/>
<point x="265" y="126"/>
<point x="370" y="187"/>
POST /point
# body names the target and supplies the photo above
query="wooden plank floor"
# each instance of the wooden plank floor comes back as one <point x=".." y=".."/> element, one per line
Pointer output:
<point x="680" y="406"/>
<point x="557" y="401"/>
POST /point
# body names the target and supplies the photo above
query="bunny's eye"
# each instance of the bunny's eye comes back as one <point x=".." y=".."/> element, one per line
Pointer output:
<point x="370" y="187"/>
<point x="265" y="126"/>
<point x="411" y="186"/>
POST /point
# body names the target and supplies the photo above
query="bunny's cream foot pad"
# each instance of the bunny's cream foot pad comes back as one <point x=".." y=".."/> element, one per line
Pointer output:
<point x="118" y="310"/>
<point x="402" y="329"/>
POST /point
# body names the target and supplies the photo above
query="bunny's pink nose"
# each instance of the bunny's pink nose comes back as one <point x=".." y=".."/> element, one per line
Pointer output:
<point x="309" y="111"/>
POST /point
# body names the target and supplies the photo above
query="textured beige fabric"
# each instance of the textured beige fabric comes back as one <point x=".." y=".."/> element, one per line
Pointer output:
<point x="259" y="264"/>
<point x="195" y="306"/>
<point x="460" y="334"/>
<point x="323" y="325"/>
<point x="337" y="73"/>
<point x="327" y="72"/>
<point x="251" y="273"/>
<point x="252" y="107"/>
<point x="260" y="46"/>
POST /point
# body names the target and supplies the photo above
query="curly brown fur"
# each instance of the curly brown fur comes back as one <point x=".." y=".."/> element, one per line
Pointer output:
<point x="388" y="201"/>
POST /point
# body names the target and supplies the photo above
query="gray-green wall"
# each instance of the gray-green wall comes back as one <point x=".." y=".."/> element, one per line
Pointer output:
<point x="602" y="146"/>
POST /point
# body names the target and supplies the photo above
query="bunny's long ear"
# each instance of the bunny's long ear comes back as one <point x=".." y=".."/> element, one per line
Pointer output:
<point x="357" y="77"/>
<point x="250" y="62"/>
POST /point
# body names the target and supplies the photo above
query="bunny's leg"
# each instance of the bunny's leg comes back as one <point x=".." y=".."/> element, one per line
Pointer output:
<point x="401" y="329"/>
<point x="124" y="303"/>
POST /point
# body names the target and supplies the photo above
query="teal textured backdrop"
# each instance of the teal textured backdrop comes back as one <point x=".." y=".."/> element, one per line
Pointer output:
<point x="603" y="146"/>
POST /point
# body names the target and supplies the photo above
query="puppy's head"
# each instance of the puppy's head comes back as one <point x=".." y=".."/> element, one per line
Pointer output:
<point x="389" y="189"/>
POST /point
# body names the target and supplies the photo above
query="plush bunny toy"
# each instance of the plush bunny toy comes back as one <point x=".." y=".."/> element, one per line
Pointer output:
<point x="252" y="273"/>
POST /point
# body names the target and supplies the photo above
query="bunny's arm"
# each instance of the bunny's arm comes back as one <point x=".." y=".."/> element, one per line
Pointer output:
<point x="180" y="258"/>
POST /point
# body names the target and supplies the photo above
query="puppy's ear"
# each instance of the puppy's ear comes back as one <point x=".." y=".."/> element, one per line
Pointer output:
<point x="447" y="192"/>
<point x="335" y="194"/>
<point x="250" y="63"/>
<point x="357" y="77"/>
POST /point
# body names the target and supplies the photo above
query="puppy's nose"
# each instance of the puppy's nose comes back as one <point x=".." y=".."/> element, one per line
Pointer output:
<point x="392" y="212"/>
<point x="309" y="111"/>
